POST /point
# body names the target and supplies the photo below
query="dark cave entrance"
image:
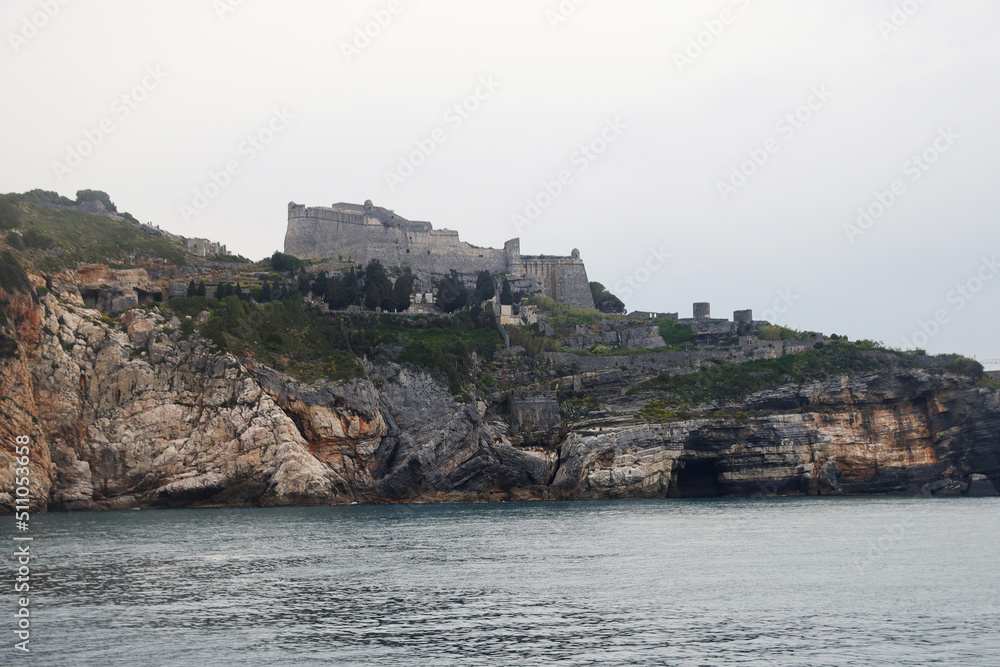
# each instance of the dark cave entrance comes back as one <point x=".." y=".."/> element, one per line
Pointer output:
<point x="698" y="478"/>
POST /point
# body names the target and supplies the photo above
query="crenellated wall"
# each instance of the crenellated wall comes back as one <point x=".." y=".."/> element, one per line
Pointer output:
<point x="360" y="233"/>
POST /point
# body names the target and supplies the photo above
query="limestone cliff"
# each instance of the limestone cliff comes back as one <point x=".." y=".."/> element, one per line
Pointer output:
<point x="138" y="411"/>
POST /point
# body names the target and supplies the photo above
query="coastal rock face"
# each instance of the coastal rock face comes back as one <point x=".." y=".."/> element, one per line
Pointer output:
<point x="133" y="412"/>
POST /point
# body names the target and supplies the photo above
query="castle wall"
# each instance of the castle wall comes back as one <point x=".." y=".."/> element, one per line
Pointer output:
<point x="564" y="279"/>
<point x="323" y="233"/>
<point x="362" y="233"/>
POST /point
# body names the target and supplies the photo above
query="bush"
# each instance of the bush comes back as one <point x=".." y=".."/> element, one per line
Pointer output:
<point x="12" y="276"/>
<point x="774" y="332"/>
<point x="735" y="381"/>
<point x="84" y="196"/>
<point x="15" y="241"/>
<point x="283" y="263"/>
<point x="532" y="339"/>
<point x="36" y="239"/>
<point x="675" y="334"/>
<point x="963" y="366"/>
<point x="10" y="215"/>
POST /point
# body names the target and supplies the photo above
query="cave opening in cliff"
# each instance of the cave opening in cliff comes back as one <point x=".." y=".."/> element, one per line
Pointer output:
<point x="698" y="478"/>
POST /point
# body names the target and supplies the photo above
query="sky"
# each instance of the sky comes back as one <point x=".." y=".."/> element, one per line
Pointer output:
<point x="830" y="164"/>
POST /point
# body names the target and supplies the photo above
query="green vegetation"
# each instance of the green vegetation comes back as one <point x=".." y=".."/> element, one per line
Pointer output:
<point x="656" y="412"/>
<point x="486" y="287"/>
<point x="774" y="332"/>
<point x="675" y="335"/>
<point x="532" y="339"/>
<point x="12" y="275"/>
<point x="298" y="340"/>
<point x="84" y="196"/>
<point x="10" y="215"/>
<point x="605" y="301"/>
<point x="956" y="363"/>
<point x="283" y="263"/>
<point x="735" y="381"/>
<point x="452" y="293"/>
<point x="70" y="237"/>
<point x="575" y="409"/>
<point x="989" y="382"/>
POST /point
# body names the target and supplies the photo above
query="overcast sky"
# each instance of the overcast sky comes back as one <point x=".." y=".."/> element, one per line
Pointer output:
<point x="739" y="137"/>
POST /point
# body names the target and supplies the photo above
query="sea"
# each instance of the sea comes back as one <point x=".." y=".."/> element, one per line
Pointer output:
<point x="784" y="581"/>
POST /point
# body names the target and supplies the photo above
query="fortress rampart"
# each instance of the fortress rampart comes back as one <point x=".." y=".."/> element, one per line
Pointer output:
<point x="360" y="233"/>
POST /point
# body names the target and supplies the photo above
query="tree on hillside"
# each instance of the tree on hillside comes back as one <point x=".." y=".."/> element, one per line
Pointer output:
<point x="192" y="289"/>
<point x="486" y="288"/>
<point x="285" y="263"/>
<point x="402" y="290"/>
<point x="506" y="295"/>
<point x="202" y="290"/>
<point x="378" y="287"/>
<point x="452" y="293"/>
<point x="605" y="301"/>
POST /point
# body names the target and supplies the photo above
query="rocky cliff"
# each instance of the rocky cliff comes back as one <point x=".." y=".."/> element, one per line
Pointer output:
<point x="139" y="411"/>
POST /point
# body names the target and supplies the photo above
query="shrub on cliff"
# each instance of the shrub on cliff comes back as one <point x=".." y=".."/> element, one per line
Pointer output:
<point x="10" y="215"/>
<point x="736" y="381"/>
<point x="84" y="196"/>
<point x="12" y="276"/>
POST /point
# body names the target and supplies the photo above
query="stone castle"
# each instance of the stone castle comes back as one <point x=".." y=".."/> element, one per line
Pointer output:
<point x="360" y="233"/>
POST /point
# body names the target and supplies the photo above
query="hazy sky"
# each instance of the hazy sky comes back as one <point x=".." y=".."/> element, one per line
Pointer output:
<point x="739" y="137"/>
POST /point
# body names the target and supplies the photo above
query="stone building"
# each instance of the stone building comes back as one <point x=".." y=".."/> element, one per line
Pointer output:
<point x="359" y="233"/>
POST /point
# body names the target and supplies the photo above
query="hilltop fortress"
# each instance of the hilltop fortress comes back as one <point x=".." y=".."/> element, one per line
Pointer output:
<point x="360" y="233"/>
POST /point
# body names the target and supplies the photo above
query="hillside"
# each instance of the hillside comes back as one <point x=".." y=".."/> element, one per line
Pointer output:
<point x="150" y="376"/>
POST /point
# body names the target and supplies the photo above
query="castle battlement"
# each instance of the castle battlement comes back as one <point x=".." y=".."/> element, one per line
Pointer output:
<point x="361" y="233"/>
